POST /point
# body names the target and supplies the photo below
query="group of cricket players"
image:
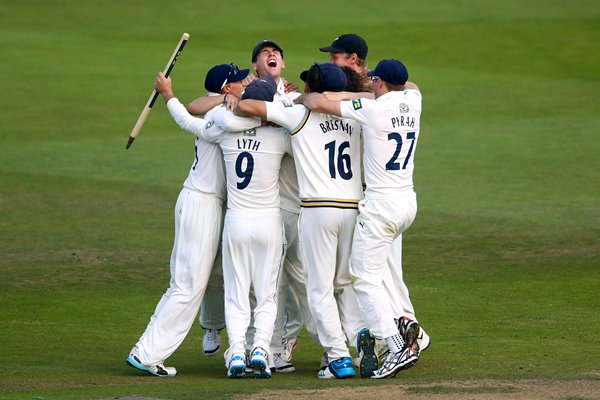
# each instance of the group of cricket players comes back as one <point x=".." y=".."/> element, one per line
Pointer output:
<point x="292" y="217"/>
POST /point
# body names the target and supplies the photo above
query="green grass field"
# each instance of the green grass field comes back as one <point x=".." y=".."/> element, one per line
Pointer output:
<point x="503" y="261"/>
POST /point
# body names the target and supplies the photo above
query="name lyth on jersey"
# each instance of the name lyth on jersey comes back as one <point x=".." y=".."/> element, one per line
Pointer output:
<point x="403" y="122"/>
<point x="336" y="125"/>
<point x="248" y="144"/>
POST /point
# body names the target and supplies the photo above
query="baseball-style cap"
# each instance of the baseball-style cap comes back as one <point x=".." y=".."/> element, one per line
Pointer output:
<point x="220" y="75"/>
<point x="263" y="88"/>
<point x="264" y="43"/>
<point x="392" y="71"/>
<point x="348" y="43"/>
<point x="325" y="77"/>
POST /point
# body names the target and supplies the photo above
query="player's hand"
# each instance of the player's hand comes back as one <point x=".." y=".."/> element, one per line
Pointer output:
<point x="231" y="101"/>
<point x="249" y="79"/>
<point x="290" y="87"/>
<point x="163" y="86"/>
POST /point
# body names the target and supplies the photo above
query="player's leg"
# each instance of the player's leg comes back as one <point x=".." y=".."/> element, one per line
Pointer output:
<point x="403" y="309"/>
<point x="267" y="233"/>
<point x="353" y="322"/>
<point x="277" y="362"/>
<point x="212" y="310"/>
<point x="197" y="220"/>
<point x="318" y="238"/>
<point x="350" y="315"/>
<point x="292" y="264"/>
<point x="297" y="312"/>
<point x="394" y="282"/>
<point x="371" y="247"/>
<point x="298" y="299"/>
<point x="237" y="280"/>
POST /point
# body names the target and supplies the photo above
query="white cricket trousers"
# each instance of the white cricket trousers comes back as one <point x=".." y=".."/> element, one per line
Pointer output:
<point x="394" y="285"/>
<point x="212" y="308"/>
<point x="198" y="224"/>
<point x="379" y="222"/>
<point x="325" y="244"/>
<point x="253" y="248"/>
<point x="292" y="301"/>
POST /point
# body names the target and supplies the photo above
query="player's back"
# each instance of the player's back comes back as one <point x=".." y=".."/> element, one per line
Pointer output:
<point x="252" y="163"/>
<point x="327" y="155"/>
<point x="391" y="127"/>
<point x="326" y="152"/>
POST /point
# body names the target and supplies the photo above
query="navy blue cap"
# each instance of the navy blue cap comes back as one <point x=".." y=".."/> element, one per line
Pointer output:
<point x="264" y="43"/>
<point x="220" y="75"/>
<point x="325" y="77"/>
<point x="392" y="71"/>
<point x="348" y="43"/>
<point x="263" y="88"/>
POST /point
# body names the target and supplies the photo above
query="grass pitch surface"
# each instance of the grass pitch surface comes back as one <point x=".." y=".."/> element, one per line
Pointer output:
<point x="502" y="261"/>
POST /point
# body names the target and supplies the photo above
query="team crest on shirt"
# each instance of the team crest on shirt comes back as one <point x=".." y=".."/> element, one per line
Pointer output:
<point x="356" y="104"/>
<point x="404" y="108"/>
<point x="287" y="104"/>
<point x="209" y="124"/>
<point x="249" y="132"/>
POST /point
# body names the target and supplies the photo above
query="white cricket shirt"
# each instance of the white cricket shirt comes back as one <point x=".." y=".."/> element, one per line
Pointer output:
<point x="326" y="153"/>
<point x="288" y="180"/>
<point x="391" y="130"/>
<point x="207" y="173"/>
<point x="252" y="159"/>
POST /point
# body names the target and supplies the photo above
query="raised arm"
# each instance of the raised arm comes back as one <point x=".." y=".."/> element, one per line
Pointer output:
<point x="186" y="121"/>
<point x="164" y="86"/>
<point x="319" y="103"/>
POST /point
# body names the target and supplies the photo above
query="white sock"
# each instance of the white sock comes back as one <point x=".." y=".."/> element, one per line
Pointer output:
<point x="395" y="343"/>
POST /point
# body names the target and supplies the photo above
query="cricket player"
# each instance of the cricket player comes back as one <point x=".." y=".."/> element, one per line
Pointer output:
<point x="253" y="235"/>
<point x="198" y="226"/>
<point x="326" y="150"/>
<point x="267" y="60"/>
<point x="391" y="126"/>
<point x="350" y="50"/>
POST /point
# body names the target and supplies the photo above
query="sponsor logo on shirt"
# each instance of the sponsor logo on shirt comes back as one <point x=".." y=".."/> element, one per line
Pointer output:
<point x="356" y="104"/>
<point x="404" y="108"/>
<point x="249" y="132"/>
<point x="287" y="104"/>
<point x="209" y="124"/>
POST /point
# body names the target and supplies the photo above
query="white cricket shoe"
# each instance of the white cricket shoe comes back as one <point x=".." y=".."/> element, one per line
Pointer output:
<point x="260" y="365"/>
<point x="324" y="361"/>
<point x="156" y="370"/>
<point x="236" y="366"/>
<point x="396" y="362"/>
<point x="288" y="345"/>
<point x="280" y="365"/>
<point x="211" y="343"/>
<point x="423" y="340"/>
